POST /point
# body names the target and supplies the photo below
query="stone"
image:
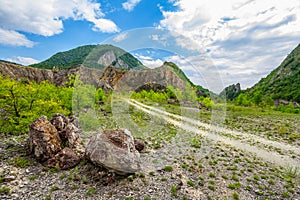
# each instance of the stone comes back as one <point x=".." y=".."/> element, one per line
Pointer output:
<point x="59" y="121"/>
<point x="114" y="150"/>
<point x="139" y="144"/>
<point x="44" y="141"/>
<point x="65" y="159"/>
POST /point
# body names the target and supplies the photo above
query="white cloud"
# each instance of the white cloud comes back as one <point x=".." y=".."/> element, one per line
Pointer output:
<point x="22" y="60"/>
<point x="130" y="4"/>
<point x="120" y="37"/>
<point x="14" y="38"/>
<point x="46" y="17"/>
<point x="149" y="62"/>
<point x="246" y="39"/>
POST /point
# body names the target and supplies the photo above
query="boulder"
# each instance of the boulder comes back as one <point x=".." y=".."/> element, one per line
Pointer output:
<point x="69" y="132"/>
<point x="65" y="159"/>
<point x="44" y="141"/>
<point x="114" y="150"/>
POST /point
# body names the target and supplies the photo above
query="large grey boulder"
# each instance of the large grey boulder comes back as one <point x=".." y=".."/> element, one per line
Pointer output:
<point x="114" y="150"/>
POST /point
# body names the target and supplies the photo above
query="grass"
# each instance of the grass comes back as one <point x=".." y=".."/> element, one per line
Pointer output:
<point x="190" y="183"/>
<point x="235" y="196"/>
<point x="168" y="168"/>
<point x="90" y="191"/>
<point x="174" y="191"/>
<point x="233" y="186"/>
<point x="22" y="162"/>
<point x="211" y="187"/>
<point x="54" y="188"/>
<point x="4" y="190"/>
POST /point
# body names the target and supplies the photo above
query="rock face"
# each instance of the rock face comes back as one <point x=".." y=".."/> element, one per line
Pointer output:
<point x="114" y="150"/>
<point x="44" y="140"/>
<point x="231" y="92"/>
<point x="56" y="142"/>
<point x="65" y="159"/>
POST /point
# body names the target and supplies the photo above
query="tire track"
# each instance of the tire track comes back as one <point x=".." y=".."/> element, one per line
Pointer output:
<point x="213" y="133"/>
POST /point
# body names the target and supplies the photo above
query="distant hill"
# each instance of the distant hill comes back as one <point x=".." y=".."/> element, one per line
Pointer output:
<point x="231" y="92"/>
<point x="92" y="56"/>
<point x="283" y="82"/>
<point x="5" y="61"/>
<point x="201" y="91"/>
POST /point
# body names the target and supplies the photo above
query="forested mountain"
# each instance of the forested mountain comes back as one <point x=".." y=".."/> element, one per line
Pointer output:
<point x="92" y="56"/>
<point x="283" y="82"/>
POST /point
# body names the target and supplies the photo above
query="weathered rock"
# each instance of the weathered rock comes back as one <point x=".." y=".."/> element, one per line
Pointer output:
<point x="44" y="141"/>
<point x="114" y="150"/>
<point x="66" y="159"/>
<point x="139" y="144"/>
<point x="69" y="132"/>
<point x="59" y="121"/>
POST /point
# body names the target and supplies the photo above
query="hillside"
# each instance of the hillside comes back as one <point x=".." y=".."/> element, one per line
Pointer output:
<point x="92" y="56"/>
<point x="283" y="82"/>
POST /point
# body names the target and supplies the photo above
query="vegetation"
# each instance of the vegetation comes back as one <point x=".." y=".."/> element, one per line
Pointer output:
<point x="22" y="102"/>
<point x="88" y="55"/>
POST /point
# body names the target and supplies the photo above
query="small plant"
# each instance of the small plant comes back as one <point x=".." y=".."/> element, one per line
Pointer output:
<point x="212" y="175"/>
<point x="225" y="177"/>
<point x="235" y="178"/>
<point x="48" y="197"/>
<point x="233" y="186"/>
<point x="212" y="182"/>
<point x="174" y="191"/>
<point x="147" y="198"/>
<point x="90" y="191"/>
<point x="235" y="196"/>
<point x="190" y="183"/>
<point x="21" y="162"/>
<point x="32" y="178"/>
<point x="152" y="173"/>
<point x="4" y="190"/>
<point x="163" y="179"/>
<point x="168" y="168"/>
<point x="128" y="198"/>
<point x="255" y="177"/>
<point x="211" y="187"/>
<point x="54" y="188"/>
<point x="84" y="180"/>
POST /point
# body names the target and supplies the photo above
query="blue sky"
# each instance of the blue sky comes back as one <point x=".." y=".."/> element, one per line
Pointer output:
<point x="243" y="40"/>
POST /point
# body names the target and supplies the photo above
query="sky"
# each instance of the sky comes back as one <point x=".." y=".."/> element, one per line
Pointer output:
<point x="244" y="40"/>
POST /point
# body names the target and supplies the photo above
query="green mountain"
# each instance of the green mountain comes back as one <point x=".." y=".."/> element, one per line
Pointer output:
<point x="92" y="56"/>
<point x="283" y="82"/>
<point x="201" y="91"/>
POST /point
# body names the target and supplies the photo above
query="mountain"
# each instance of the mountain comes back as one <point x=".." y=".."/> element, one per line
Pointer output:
<point x="92" y="56"/>
<point x="231" y="92"/>
<point x="283" y="82"/>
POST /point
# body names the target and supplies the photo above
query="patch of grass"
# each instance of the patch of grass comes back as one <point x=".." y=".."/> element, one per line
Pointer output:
<point x="128" y="198"/>
<point x="168" y="168"/>
<point x="90" y="191"/>
<point x="212" y="175"/>
<point x="163" y="179"/>
<point x="152" y="173"/>
<point x="48" y="197"/>
<point x="4" y="190"/>
<point x="235" y="178"/>
<point x="235" y="196"/>
<point x="211" y="187"/>
<point x="22" y="162"/>
<point x="147" y="198"/>
<point x="32" y="177"/>
<point x="233" y="186"/>
<point x="190" y="183"/>
<point x="174" y="191"/>
<point x="54" y="188"/>
<point x="225" y="177"/>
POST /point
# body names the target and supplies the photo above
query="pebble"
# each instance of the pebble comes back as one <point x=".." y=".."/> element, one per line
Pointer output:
<point x="150" y="191"/>
<point x="9" y="178"/>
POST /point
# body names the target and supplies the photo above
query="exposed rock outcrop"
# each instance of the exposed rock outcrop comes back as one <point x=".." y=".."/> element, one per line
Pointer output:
<point x="44" y="141"/>
<point x="231" y="92"/>
<point x="114" y="150"/>
<point x="56" y="142"/>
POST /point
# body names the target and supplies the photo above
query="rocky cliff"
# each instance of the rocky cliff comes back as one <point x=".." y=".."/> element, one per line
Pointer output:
<point x="109" y="79"/>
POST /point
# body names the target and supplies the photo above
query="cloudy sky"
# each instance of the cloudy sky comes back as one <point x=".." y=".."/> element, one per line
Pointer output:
<point x="244" y="39"/>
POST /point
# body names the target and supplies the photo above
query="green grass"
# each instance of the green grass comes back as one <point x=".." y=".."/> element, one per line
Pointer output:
<point x="235" y="196"/>
<point x="233" y="186"/>
<point x="22" y="162"/>
<point x="168" y="168"/>
<point x="4" y="190"/>
<point x="90" y="191"/>
<point x="190" y="183"/>
<point x="174" y="191"/>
